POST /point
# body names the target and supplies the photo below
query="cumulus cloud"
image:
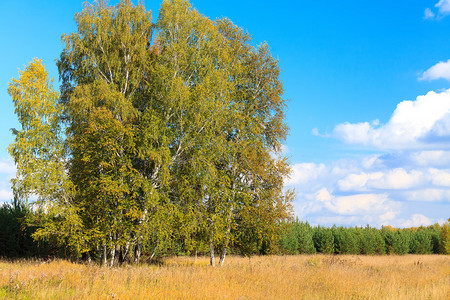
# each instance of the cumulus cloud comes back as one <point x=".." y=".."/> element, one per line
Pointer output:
<point x="441" y="70"/>
<point x="359" y="209"/>
<point x="368" y="190"/>
<point x="7" y="167"/>
<point x="407" y="183"/>
<point x="305" y="172"/>
<point x="428" y="195"/>
<point x="395" y="179"/>
<point x="6" y="195"/>
<point x="431" y="158"/>
<point x="443" y="9"/>
<point x="417" y="220"/>
<point x="428" y="14"/>
<point x="440" y="177"/>
<point x="354" y="204"/>
<point x="422" y="123"/>
<point x="358" y="182"/>
<point x="387" y="217"/>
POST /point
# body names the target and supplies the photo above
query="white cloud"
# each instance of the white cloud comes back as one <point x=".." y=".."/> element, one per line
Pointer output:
<point x="305" y="172"/>
<point x="441" y="70"/>
<point x="431" y="158"/>
<point x="444" y="7"/>
<point x="387" y="217"/>
<point x="428" y="14"/>
<point x="354" y="204"/>
<point x="358" y="182"/>
<point x="315" y="131"/>
<point x="359" y="203"/>
<point x="396" y="179"/>
<point x="406" y="184"/>
<point x="6" y="195"/>
<point x="420" y="124"/>
<point x="7" y="167"/>
<point x="323" y="195"/>
<point x="417" y="220"/>
<point x="367" y="190"/>
<point x="428" y="195"/>
<point x="440" y="177"/>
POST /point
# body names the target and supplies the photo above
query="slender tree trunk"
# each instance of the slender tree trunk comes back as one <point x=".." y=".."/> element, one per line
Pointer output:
<point x="211" y="254"/>
<point x="227" y="237"/>
<point x="154" y="251"/>
<point x="88" y="257"/>
<point x="113" y="256"/>
<point x="222" y="255"/>
<point x="195" y="259"/>
<point x="105" y="254"/>
<point x="126" y="250"/>
<point x="119" y="255"/>
<point x="138" y="253"/>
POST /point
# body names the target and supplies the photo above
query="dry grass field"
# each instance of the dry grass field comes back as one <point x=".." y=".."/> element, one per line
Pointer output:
<point x="270" y="277"/>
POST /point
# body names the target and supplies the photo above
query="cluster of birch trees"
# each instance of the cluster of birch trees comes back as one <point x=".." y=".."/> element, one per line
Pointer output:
<point x="162" y="131"/>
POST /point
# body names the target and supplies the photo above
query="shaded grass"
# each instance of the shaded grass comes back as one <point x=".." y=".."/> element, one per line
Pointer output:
<point x="265" y="277"/>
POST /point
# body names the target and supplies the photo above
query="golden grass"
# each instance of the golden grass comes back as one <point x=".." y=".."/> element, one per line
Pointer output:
<point x="269" y="277"/>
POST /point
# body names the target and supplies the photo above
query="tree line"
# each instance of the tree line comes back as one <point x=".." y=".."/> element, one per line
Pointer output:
<point x="164" y="135"/>
<point x="296" y="237"/>
<point x="301" y="238"/>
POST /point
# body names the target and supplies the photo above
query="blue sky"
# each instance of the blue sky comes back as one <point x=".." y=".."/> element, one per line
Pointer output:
<point x="360" y="154"/>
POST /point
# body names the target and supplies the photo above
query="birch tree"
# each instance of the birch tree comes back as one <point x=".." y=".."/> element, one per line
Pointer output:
<point x="102" y="68"/>
<point x="39" y="153"/>
<point x="229" y="126"/>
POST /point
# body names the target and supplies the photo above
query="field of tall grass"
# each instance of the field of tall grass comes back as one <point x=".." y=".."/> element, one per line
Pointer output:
<point x="265" y="277"/>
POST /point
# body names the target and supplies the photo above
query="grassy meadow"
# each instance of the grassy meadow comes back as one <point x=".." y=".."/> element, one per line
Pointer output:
<point x="265" y="277"/>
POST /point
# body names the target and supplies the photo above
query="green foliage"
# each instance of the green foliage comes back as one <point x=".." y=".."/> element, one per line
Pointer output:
<point x="166" y="139"/>
<point x="346" y="241"/>
<point x="396" y="240"/>
<point x="421" y="242"/>
<point x="173" y="136"/>
<point x="305" y="238"/>
<point x="371" y="241"/>
<point x="39" y="151"/>
<point x="297" y="238"/>
<point x="323" y="240"/>
<point x="444" y="241"/>
<point x="367" y="240"/>
<point x="15" y="235"/>
<point x="38" y="147"/>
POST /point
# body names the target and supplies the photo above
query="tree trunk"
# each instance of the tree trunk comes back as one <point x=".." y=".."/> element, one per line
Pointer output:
<point x="113" y="256"/>
<point x="211" y="253"/>
<point x="119" y="255"/>
<point x="222" y="255"/>
<point x="105" y="254"/>
<point x="138" y="253"/>
<point x="125" y="251"/>
<point x="195" y="260"/>
<point x="154" y="252"/>
<point x="227" y="237"/>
